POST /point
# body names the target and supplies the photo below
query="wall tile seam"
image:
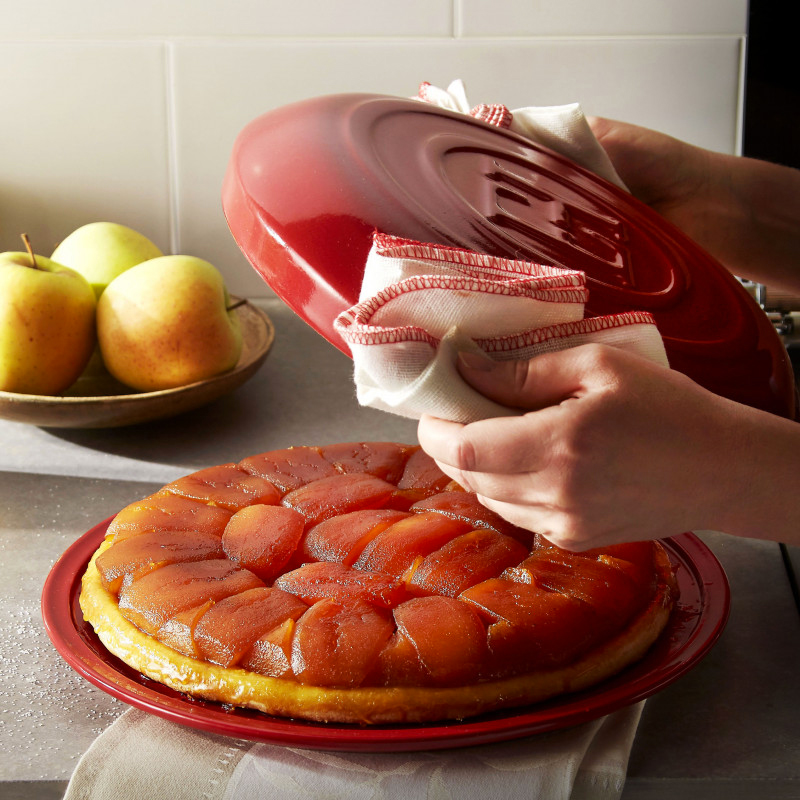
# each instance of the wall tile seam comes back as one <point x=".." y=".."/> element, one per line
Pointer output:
<point x="740" y="98"/>
<point x="171" y="144"/>
<point x="350" y="39"/>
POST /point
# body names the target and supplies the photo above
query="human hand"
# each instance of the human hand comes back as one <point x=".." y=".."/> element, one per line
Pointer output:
<point x="612" y="448"/>
<point x="743" y="211"/>
<point x="678" y="180"/>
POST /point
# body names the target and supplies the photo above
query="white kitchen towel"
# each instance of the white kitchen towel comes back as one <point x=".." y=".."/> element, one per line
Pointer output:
<point x="563" y="128"/>
<point x="421" y="304"/>
<point x="587" y="761"/>
<point x="142" y="756"/>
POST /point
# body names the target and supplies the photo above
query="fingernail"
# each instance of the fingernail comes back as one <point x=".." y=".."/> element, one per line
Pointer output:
<point x="476" y="361"/>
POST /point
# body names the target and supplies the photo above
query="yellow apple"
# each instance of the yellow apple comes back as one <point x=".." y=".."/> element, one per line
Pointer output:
<point x="47" y="324"/>
<point x="167" y="322"/>
<point x="101" y="251"/>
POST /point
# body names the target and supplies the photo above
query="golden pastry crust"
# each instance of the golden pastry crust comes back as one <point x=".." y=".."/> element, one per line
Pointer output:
<point x="370" y="705"/>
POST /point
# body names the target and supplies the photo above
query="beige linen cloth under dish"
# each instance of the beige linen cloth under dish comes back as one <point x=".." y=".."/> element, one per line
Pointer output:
<point x="142" y="757"/>
<point x="419" y="306"/>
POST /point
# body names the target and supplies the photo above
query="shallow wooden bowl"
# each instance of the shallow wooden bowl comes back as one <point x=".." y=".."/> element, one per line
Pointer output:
<point x="98" y="401"/>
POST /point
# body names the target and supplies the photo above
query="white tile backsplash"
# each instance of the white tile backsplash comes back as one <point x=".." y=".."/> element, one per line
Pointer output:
<point x="607" y="18"/>
<point x="88" y="140"/>
<point x="245" y="18"/>
<point x="132" y="116"/>
<point x="220" y="88"/>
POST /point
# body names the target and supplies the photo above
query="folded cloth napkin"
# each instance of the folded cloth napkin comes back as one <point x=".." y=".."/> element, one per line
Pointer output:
<point x="422" y="304"/>
<point x="142" y="756"/>
<point x="563" y="129"/>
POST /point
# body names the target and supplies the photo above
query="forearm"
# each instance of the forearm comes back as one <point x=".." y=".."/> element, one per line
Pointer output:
<point x="745" y="212"/>
<point x="753" y="477"/>
<point x="753" y="221"/>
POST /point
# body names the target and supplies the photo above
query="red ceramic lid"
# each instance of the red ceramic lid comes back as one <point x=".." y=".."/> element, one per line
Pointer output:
<point x="308" y="184"/>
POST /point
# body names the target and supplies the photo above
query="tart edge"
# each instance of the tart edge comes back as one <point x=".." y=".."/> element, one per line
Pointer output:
<point x="368" y="705"/>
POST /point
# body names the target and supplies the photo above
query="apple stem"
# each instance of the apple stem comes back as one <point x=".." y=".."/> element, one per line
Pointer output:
<point x="30" y="250"/>
<point x="236" y="305"/>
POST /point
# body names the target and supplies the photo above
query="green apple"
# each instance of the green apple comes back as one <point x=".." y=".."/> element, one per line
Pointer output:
<point x="167" y="322"/>
<point x="101" y="251"/>
<point x="47" y="324"/>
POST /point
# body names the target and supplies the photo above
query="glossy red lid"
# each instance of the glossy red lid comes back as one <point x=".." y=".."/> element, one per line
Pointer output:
<point x="308" y="183"/>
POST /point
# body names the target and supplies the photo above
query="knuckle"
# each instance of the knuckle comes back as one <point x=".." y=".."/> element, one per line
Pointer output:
<point x="603" y="358"/>
<point x="570" y="536"/>
<point x="569" y="457"/>
<point x="465" y="453"/>
<point x="519" y="376"/>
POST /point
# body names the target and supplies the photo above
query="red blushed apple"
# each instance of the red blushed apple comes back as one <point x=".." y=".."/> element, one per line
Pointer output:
<point x="167" y="322"/>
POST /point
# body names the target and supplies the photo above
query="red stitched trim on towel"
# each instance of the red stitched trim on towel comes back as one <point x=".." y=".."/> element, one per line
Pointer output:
<point x="495" y="114"/>
<point x="355" y="324"/>
<point x="355" y="333"/>
<point x="590" y="325"/>
<point x="364" y="310"/>
<point x="423" y="93"/>
<point x="391" y="246"/>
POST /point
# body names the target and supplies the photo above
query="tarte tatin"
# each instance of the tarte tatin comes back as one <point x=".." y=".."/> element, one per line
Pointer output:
<point x="356" y="583"/>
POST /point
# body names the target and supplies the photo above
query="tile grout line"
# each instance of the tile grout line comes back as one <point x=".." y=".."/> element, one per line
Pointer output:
<point x="741" y="97"/>
<point x="377" y="38"/>
<point x="172" y="148"/>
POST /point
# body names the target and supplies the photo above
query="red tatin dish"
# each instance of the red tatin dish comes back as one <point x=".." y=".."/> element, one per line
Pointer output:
<point x="356" y="583"/>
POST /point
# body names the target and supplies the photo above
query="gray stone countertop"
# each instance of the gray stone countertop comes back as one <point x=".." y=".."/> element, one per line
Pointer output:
<point x="729" y="728"/>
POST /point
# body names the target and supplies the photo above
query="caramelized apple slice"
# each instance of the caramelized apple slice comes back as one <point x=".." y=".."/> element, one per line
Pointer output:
<point x="395" y="549"/>
<point x="531" y="628"/>
<point x="290" y="468"/>
<point x="385" y="460"/>
<point x="635" y="559"/>
<point x="448" y="637"/>
<point x="328" y="579"/>
<point x="263" y="538"/>
<point x="634" y="552"/>
<point x="271" y="654"/>
<point x="230" y="627"/>
<point x="167" y="512"/>
<point x="138" y="555"/>
<point x="343" y="538"/>
<point x="337" y="644"/>
<point x="178" y="631"/>
<point x="148" y="602"/>
<point x="226" y="486"/>
<point x="607" y="589"/>
<point x="466" y="560"/>
<point x="422" y="472"/>
<point x="466" y="506"/>
<point x="398" y="664"/>
<point x="340" y="494"/>
<point x="643" y="576"/>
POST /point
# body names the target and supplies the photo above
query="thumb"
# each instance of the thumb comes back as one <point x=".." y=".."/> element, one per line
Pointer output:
<point x="529" y="385"/>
